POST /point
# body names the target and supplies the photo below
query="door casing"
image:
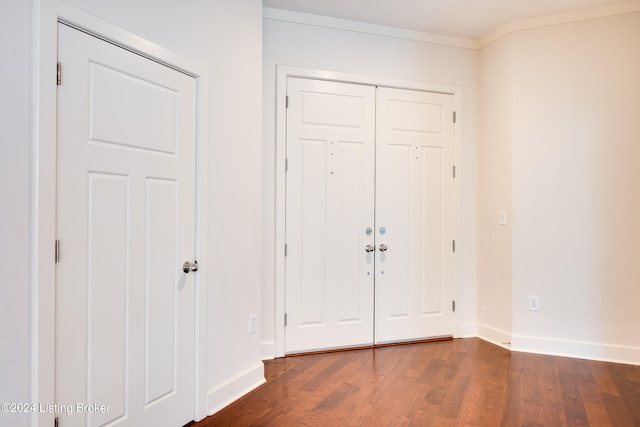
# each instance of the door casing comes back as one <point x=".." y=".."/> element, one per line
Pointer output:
<point x="43" y="189"/>
<point x="283" y="73"/>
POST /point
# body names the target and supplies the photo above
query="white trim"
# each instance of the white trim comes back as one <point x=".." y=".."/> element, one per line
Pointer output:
<point x="468" y="330"/>
<point x="577" y="349"/>
<point x="43" y="202"/>
<point x="47" y="14"/>
<point x="564" y="18"/>
<point x="201" y="250"/>
<point x="438" y="39"/>
<point x="268" y="350"/>
<point x="366" y="28"/>
<point x="494" y="336"/>
<point x="235" y="388"/>
<point x="283" y="72"/>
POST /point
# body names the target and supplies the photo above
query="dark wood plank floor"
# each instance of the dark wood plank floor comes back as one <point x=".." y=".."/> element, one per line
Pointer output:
<point x="451" y="383"/>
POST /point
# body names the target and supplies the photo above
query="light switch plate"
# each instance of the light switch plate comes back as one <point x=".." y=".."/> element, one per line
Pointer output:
<point x="503" y="217"/>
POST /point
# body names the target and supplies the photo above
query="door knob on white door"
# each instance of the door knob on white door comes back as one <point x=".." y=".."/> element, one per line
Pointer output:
<point x="383" y="247"/>
<point x="369" y="248"/>
<point x="190" y="266"/>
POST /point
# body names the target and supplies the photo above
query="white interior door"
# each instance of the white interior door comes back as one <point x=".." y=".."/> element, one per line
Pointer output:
<point x="126" y="223"/>
<point x="415" y="210"/>
<point x="342" y="139"/>
<point x="330" y="205"/>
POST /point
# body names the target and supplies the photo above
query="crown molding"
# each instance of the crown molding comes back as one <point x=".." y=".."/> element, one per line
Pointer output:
<point x="564" y="18"/>
<point x="438" y="39"/>
<point x="366" y="28"/>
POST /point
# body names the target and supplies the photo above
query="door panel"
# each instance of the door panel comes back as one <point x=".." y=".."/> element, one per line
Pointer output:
<point x="160" y="297"/>
<point x="432" y="225"/>
<point x="134" y="96"/>
<point x="106" y="288"/>
<point x="349" y="253"/>
<point x="312" y="253"/>
<point x="330" y="191"/>
<point x="126" y="222"/>
<point x="415" y="207"/>
<point x="396" y="231"/>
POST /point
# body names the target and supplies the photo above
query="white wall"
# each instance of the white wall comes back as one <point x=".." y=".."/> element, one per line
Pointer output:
<point x="225" y="37"/>
<point x="567" y="109"/>
<point x="494" y="192"/>
<point x="310" y="46"/>
<point x="576" y="188"/>
<point x="15" y="51"/>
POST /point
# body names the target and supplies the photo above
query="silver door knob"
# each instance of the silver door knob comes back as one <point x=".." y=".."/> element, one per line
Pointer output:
<point x="190" y="266"/>
<point x="369" y="248"/>
<point x="383" y="247"/>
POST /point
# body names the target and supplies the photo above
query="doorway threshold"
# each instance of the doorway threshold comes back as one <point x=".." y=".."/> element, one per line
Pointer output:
<point x="368" y="347"/>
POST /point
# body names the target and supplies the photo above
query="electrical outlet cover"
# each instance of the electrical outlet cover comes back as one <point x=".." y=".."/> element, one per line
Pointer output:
<point x="253" y="321"/>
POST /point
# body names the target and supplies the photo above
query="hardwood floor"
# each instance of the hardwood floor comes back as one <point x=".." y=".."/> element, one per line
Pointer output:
<point x="449" y="383"/>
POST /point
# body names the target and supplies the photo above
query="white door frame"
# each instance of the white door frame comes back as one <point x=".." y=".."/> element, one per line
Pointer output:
<point x="283" y="72"/>
<point x="47" y="13"/>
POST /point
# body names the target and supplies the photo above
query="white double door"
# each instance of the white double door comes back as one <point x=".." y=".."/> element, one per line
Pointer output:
<point x="126" y="223"/>
<point x="369" y="215"/>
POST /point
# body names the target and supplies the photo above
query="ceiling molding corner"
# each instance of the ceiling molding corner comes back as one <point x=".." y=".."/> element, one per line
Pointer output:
<point x="563" y="18"/>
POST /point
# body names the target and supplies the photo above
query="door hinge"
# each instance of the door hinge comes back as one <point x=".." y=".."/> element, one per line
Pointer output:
<point x="286" y="250"/>
<point x="59" y="74"/>
<point x="286" y="165"/>
<point x="453" y="305"/>
<point x="454" y="117"/>
<point x="285" y="319"/>
<point x="454" y="171"/>
<point x="454" y="246"/>
<point x="57" y="252"/>
<point x="286" y="101"/>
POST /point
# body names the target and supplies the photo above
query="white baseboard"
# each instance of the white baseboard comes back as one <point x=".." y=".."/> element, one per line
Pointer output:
<point x="552" y="347"/>
<point x="494" y="336"/>
<point x="268" y="350"/>
<point x="577" y="349"/>
<point x="555" y="347"/>
<point x="234" y="389"/>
